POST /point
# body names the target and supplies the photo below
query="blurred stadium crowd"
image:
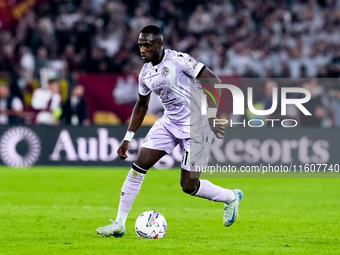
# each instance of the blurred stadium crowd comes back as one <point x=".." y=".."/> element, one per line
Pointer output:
<point x="249" y="38"/>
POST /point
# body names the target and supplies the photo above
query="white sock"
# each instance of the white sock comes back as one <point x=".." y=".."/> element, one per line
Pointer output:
<point x="121" y="217"/>
<point x="130" y="189"/>
<point x="214" y="192"/>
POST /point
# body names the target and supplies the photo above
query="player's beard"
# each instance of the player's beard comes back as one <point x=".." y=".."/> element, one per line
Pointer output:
<point x="146" y="59"/>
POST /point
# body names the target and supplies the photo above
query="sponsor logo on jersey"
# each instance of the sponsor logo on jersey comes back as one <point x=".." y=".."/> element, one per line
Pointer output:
<point x="157" y="84"/>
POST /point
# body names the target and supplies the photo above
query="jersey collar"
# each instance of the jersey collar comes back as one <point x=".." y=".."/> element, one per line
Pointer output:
<point x="156" y="66"/>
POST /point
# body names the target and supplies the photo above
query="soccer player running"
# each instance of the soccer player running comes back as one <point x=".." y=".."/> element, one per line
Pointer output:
<point x="171" y="75"/>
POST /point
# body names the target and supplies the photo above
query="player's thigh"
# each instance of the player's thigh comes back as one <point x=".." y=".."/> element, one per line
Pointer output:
<point x="159" y="138"/>
<point x="148" y="157"/>
<point x="158" y="142"/>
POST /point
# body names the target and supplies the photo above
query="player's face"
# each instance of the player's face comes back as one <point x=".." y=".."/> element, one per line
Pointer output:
<point x="149" y="46"/>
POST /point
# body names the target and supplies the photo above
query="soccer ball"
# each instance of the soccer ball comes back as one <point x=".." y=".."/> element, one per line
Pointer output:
<point x="151" y="225"/>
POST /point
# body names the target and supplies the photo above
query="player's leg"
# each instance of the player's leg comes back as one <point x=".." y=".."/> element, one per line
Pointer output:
<point x="192" y="185"/>
<point x="156" y="144"/>
<point x="196" y="153"/>
<point x="146" y="159"/>
<point x="189" y="181"/>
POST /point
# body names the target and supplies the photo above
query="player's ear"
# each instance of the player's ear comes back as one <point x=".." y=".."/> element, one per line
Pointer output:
<point x="160" y="45"/>
<point x="160" y="42"/>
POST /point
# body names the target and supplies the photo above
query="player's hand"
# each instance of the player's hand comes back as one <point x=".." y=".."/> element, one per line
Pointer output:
<point x="217" y="128"/>
<point x="124" y="146"/>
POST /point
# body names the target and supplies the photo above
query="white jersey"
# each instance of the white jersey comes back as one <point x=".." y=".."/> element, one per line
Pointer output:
<point x="173" y="80"/>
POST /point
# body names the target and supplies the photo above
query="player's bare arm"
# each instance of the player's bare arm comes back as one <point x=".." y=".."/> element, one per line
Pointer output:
<point x="151" y="50"/>
<point x="138" y="114"/>
<point x="209" y="77"/>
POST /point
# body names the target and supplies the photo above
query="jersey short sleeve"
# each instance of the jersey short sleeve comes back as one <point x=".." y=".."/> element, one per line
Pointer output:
<point x="189" y="65"/>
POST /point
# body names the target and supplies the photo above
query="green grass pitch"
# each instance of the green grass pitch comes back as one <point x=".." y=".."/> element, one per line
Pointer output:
<point x="56" y="210"/>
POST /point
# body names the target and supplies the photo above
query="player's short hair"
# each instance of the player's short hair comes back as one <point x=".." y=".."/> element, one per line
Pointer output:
<point x="152" y="29"/>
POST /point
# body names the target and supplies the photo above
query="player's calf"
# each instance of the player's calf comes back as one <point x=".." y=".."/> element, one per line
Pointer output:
<point x="190" y="187"/>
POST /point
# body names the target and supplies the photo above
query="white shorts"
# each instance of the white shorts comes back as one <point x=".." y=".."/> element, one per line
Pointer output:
<point x="195" y="150"/>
